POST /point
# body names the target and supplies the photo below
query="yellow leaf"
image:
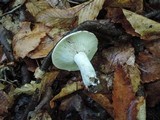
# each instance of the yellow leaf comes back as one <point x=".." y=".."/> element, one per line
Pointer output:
<point x="148" y="29"/>
<point x="90" y="11"/>
<point x="68" y="89"/>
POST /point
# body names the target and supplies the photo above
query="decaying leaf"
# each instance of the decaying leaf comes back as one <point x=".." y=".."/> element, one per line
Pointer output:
<point x="43" y="49"/>
<point x="134" y="75"/>
<point x="149" y="66"/>
<point x="35" y="7"/>
<point x="90" y="11"/>
<point x="123" y="95"/>
<point x="26" y="40"/>
<point x="48" y="79"/>
<point x="41" y="116"/>
<point x="147" y="28"/>
<point x="61" y="18"/>
<point x="154" y="48"/>
<point x="124" y="54"/>
<point x="152" y="90"/>
<point x="141" y="107"/>
<point x="68" y="89"/>
<point x="27" y="89"/>
<point x="103" y="101"/>
<point x="117" y="16"/>
<point x="136" y="5"/>
<point x="47" y="44"/>
<point x="4" y="103"/>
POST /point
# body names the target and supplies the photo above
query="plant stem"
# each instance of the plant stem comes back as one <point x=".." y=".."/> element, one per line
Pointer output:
<point x="87" y="71"/>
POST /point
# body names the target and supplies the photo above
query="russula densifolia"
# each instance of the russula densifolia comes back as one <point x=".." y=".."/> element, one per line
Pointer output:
<point x="74" y="52"/>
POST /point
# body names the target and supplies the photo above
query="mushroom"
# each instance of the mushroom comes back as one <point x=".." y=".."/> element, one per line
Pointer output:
<point x="74" y="52"/>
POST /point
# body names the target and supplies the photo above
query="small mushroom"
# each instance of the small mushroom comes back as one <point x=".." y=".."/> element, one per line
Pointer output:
<point x="74" y="52"/>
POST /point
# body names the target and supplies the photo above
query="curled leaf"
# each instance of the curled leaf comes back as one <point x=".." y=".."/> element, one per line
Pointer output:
<point x="27" y="40"/>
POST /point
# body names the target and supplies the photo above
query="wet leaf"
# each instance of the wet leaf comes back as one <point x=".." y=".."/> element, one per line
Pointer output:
<point x="90" y="11"/>
<point x="123" y="94"/>
<point x="26" y="40"/>
<point x="147" y="28"/>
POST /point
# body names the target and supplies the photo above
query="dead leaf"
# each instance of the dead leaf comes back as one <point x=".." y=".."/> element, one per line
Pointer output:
<point x="90" y="11"/>
<point x="47" y="44"/>
<point x="26" y="40"/>
<point x="48" y="79"/>
<point x="103" y="101"/>
<point x="123" y="54"/>
<point x="141" y="108"/>
<point x="35" y="7"/>
<point x="68" y="89"/>
<point x="4" y="103"/>
<point x="117" y="16"/>
<point x="135" y="5"/>
<point x="152" y="90"/>
<point x="43" y="49"/>
<point x="134" y="75"/>
<point x="123" y="94"/>
<point x="147" y="28"/>
<point x="28" y="88"/>
<point x="61" y="18"/>
<point x="149" y="66"/>
<point x="154" y="48"/>
<point x="42" y="115"/>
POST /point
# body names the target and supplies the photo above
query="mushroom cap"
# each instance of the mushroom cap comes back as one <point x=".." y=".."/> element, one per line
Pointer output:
<point x="65" y="50"/>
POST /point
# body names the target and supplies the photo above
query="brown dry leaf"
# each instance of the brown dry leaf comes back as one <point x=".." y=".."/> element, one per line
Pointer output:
<point x="27" y="40"/>
<point x="43" y="49"/>
<point x="42" y="115"/>
<point x="147" y="28"/>
<point x="134" y="75"/>
<point x="154" y="48"/>
<point x="152" y="90"/>
<point x="68" y="89"/>
<point x="141" y="108"/>
<point x="149" y="66"/>
<point x="35" y="7"/>
<point x="124" y="54"/>
<point x="47" y="44"/>
<point x="4" y="103"/>
<point x="123" y="94"/>
<point x="48" y="79"/>
<point x="103" y="101"/>
<point x="117" y="16"/>
<point x="61" y="18"/>
<point x="90" y="11"/>
<point x="136" y="5"/>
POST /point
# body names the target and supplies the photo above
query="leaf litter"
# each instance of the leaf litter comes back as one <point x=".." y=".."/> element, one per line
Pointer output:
<point x="127" y="60"/>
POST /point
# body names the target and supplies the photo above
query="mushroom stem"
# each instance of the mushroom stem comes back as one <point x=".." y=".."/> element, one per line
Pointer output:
<point x="87" y="71"/>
